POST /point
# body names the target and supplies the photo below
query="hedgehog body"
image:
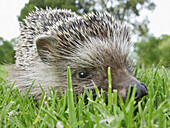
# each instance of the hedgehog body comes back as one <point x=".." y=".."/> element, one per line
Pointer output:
<point x="52" y="40"/>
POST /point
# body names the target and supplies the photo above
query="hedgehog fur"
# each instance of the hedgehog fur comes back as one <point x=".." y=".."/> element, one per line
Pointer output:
<point x="37" y="23"/>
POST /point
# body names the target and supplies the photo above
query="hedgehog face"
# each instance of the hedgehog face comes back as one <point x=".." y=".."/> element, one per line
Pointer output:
<point x="89" y="45"/>
<point x="89" y="64"/>
<point x="94" y="59"/>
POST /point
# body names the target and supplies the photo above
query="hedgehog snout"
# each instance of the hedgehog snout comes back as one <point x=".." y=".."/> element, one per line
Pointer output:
<point x="141" y="90"/>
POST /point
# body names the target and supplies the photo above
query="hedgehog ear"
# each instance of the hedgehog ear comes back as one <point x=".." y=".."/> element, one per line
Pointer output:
<point x="45" y="47"/>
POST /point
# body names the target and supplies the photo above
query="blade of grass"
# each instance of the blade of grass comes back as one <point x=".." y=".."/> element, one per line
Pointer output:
<point x="64" y="104"/>
<point x="109" y="90"/>
<point x="128" y="95"/>
<point x="26" y="95"/>
<point x="72" y="113"/>
<point x="80" y="110"/>
<point x="114" y="100"/>
<point x="8" y="94"/>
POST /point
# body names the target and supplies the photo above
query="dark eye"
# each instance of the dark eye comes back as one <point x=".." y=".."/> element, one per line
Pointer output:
<point x="83" y="74"/>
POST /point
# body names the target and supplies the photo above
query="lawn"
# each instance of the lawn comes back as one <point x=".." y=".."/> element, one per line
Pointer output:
<point x="151" y="111"/>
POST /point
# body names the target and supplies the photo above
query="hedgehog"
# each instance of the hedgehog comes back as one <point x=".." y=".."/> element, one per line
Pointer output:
<point x="53" y="39"/>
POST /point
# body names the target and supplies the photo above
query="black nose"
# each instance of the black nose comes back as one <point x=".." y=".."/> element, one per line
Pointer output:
<point x="141" y="90"/>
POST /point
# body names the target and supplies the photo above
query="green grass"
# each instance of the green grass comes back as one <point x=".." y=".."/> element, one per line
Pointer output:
<point x="153" y="109"/>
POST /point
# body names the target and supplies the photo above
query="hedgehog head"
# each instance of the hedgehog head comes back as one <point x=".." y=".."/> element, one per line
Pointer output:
<point x="89" y="45"/>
